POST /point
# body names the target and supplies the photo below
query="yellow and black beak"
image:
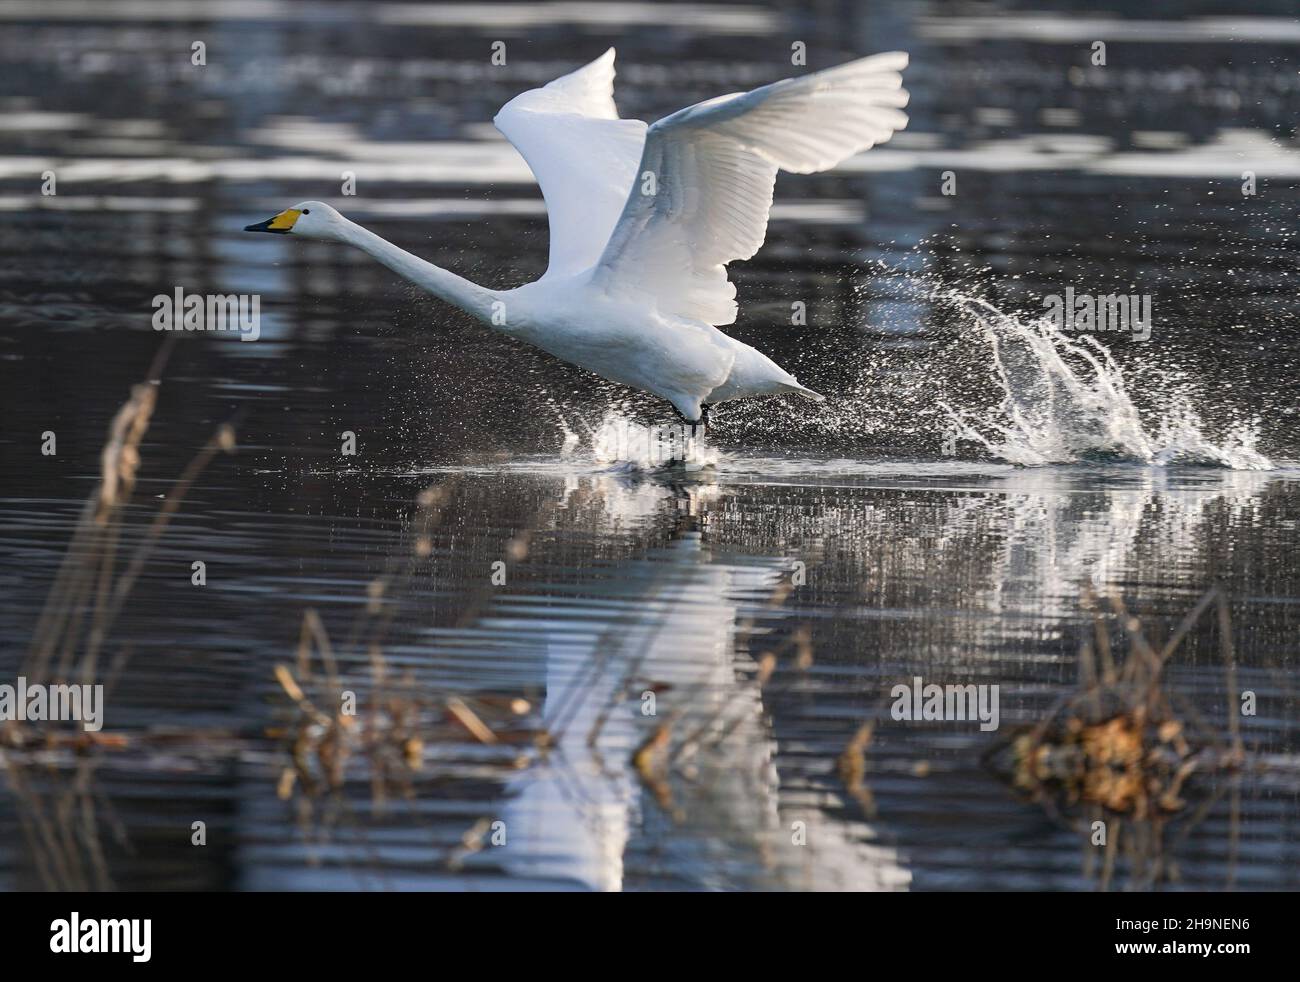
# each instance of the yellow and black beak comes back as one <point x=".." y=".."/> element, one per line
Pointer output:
<point x="281" y="223"/>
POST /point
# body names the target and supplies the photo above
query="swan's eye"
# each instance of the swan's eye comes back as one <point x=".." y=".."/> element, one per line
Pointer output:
<point x="306" y="211"/>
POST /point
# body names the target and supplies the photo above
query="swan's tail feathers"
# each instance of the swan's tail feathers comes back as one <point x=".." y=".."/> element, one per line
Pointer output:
<point x="808" y="394"/>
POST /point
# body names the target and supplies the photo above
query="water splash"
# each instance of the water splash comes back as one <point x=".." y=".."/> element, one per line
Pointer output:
<point x="1011" y="388"/>
<point x="617" y="441"/>
<point x="1065" y="400"/>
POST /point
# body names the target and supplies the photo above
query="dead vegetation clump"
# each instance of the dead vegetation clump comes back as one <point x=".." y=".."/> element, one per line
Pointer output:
<point x="1119" y="742"/>
<point x="369" y="737"/>
<point x="1117" y="759"/>
<point x="380" y="725"/>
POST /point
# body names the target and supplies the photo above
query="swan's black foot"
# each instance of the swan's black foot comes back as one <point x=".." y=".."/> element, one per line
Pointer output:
<point x="700" y="428"/>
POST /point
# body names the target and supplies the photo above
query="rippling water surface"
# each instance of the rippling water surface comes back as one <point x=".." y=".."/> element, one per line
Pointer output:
<point x="657" y="677"/>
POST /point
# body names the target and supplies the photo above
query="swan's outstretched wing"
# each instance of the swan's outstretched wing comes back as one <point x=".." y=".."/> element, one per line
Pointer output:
<point x="704" y="184"/>
<point x="582" y="154"/>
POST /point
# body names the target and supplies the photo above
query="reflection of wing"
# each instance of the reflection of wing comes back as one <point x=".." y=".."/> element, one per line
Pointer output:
<point x="669" y="618"/>
<point x="583" y="156"/>
<point x="714" y="167"/>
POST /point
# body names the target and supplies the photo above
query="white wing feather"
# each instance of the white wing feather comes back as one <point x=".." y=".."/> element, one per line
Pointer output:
<point x="583" y="156"/>
<point x="714" y="167"/>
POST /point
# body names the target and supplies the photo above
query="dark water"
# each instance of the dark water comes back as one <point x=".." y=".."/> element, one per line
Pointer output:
<point x="621" y="581"/>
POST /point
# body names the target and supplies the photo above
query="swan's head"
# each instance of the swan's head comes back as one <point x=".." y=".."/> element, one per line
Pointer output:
<point x="309" y="219"/>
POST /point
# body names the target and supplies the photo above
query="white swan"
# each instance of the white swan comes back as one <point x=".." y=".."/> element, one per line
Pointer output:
<point x="644" y="220"/>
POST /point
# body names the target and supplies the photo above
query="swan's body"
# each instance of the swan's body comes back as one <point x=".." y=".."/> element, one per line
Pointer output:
<point x="644" y="220"/>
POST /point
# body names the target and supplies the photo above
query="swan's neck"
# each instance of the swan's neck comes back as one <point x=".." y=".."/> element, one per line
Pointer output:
<point x="441" y="283"/>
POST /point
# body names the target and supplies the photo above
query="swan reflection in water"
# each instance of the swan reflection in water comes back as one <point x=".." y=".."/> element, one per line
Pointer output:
<point x="668" y="642"/>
